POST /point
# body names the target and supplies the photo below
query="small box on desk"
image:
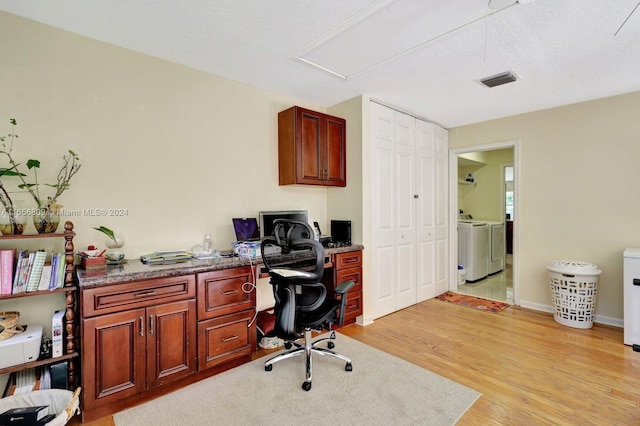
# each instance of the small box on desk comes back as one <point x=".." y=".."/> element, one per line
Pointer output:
<point x="90" y="263"/>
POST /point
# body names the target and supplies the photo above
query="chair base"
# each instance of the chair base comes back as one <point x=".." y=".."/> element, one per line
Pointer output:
<point x="310" y="347"/>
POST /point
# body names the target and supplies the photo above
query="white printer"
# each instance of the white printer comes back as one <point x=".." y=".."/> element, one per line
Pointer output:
<point x="22" y="347"/>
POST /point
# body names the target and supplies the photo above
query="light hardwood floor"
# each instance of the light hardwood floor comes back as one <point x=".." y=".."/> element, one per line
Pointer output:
<point x="529" y="369"/>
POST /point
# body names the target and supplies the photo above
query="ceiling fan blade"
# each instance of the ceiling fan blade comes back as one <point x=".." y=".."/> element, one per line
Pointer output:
<point x="625" y="21"/>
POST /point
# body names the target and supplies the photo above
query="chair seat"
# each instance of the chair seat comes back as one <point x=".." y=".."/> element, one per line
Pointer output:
<point x="293" y="275"/>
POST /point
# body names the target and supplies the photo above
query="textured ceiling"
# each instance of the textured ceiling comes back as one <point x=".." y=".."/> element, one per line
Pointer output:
<point x="564" y="51"/>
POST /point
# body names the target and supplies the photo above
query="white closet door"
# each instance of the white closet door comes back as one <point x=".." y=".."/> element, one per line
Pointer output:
<point x="425" y="210"/>
<point x="441" y="210"/>
<point x="382" y="211"/>
<point x="408" y="210"/>
<point x="405" y="232"/>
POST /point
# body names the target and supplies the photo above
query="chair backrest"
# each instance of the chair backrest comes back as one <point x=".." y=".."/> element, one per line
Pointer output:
<point x="295" y="263"/>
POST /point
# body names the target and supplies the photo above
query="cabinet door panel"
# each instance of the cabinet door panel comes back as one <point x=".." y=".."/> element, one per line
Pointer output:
<point x="309" y="147"/>
<point x="113" y="357"/>
<point x="336" y="153"/>
<point x="171" y="343"/>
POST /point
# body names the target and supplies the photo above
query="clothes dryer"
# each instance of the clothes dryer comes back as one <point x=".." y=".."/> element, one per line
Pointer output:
<point x="473" y="249"/>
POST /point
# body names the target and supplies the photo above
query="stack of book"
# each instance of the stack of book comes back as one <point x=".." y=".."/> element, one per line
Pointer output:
<point x="165" y="257"/>
<point x="26" y="271"/>
<point x="52" y="376"/>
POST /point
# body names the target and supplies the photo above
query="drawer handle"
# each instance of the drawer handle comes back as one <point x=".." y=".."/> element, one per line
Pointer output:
<point x="150" y="324"/>
<point x="228" y="339"/>
<point x="147" y="294"/>
<point x="229" y="292"/>
<point x="350" y="260"/>
<point x="352" y="306"/>
<point x="142" y="326"/>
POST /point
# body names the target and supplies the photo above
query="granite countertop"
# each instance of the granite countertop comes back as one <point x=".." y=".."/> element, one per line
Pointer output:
<point x="134" y="270"/>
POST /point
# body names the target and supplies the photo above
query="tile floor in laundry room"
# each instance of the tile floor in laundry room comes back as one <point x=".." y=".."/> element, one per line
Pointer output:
<point x="495" y="287"/>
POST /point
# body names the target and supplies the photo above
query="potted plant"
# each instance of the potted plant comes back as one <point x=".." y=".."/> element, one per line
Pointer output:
<point x="47" y="216"/>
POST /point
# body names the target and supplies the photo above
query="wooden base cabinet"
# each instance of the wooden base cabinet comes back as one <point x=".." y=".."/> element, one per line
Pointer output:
<point x="348" y="266"/>
<point x="137" y="337"/>
<point x="226" y="311"/>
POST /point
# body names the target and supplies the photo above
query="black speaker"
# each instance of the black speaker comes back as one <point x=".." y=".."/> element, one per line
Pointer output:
<point x="341" y="232"/>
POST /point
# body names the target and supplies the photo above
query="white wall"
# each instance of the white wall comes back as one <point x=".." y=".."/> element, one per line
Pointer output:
<point x="578" y="190"/>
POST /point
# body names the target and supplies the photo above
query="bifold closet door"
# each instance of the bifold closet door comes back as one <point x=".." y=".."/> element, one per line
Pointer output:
<point x="408" y="210"/>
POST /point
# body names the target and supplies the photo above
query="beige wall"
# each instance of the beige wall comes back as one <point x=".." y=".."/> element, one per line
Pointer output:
<point x="483" y="198"/>
<point x="180" y="150"/>
<point x="578" y="190"/>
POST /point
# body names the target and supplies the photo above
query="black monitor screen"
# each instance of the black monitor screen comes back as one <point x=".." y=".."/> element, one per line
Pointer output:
<point x="267" y="218"/>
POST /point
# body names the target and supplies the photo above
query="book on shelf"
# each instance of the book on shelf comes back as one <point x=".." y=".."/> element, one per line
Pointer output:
<point x="21" y="258"/>
<point x="35" y="273"/>
<point x="62" y="269"/>
<point x="6" y="271"/>
<point x="57" y="271"/>
<point x="45" y="278"/>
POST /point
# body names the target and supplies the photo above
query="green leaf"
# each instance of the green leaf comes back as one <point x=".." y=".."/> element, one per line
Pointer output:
<point x="26" y="185"/>
<point x="10" y="172"/>
<point x="106" y="231"/>
<point x="13" y="121"/>
<point x="33" y="163"/>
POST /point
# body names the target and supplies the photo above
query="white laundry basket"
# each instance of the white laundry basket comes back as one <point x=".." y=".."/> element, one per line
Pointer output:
<point x="574" y="287"/>
<point x="61" y="402"/>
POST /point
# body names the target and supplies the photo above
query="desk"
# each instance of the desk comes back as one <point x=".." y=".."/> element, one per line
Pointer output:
<point x="151" y="329"/>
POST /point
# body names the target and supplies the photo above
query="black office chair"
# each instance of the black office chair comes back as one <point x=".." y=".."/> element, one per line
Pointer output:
<point x="295" y="263"/>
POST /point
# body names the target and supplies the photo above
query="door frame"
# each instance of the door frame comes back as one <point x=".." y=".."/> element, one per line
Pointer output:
<point x="453" y="210"/>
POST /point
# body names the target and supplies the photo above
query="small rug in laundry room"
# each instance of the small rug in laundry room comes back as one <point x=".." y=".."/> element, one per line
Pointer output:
<point x="473" y="302"/>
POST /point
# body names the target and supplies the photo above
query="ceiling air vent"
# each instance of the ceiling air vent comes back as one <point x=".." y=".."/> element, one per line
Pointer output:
<point x="499" y="79"/>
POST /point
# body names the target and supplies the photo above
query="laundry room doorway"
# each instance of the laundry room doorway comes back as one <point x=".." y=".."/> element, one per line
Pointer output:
<point x="484" y="200"/>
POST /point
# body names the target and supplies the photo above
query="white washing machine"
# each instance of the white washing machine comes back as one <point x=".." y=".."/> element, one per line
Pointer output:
<point x="473" y="249"/>
<point x="497" y="247"/>
<point x="631" y="293"/>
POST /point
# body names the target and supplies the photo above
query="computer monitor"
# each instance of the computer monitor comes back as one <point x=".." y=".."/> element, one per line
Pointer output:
<point x="266" y="219"/>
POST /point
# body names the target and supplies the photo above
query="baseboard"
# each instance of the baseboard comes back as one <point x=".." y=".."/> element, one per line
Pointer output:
<point x="600" y="319"/>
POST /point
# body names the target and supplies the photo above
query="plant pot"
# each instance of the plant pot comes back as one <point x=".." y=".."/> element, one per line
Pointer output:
<point x="12" y="221"/>
<point x="46" y="220"/>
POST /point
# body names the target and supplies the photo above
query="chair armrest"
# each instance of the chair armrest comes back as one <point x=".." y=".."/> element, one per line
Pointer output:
<point x="344" y="286"/>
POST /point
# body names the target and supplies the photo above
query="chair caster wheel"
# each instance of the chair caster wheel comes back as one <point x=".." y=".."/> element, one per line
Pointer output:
<point x="331" y="345"/>
<point x="287" y="345"/>
<point x="268" y="367"/>
<point x="348" y="367"/>
<point x="306" y="386"/>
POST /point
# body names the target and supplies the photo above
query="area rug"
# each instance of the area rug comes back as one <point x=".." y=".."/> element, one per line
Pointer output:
<point x="473" y="302"/>
<point x="381" y="390"/>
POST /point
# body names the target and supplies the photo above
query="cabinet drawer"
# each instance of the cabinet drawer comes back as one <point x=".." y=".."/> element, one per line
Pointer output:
<point x="351" y="259"/>
<point x="225" y="338"/>
<point x="120" y="297"/>
<point x="354" y="306"/>
<point x="354" y="274"/>
<point x="224" y="292"/>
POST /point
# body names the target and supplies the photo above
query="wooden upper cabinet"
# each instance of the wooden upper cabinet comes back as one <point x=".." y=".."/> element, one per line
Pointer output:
<point x="311" y="148"/>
